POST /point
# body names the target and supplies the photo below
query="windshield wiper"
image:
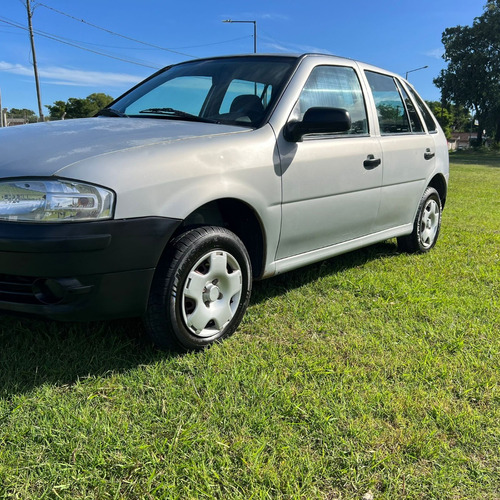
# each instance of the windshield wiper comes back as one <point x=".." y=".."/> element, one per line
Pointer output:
<point x="111" y="112"/>
<point x="177" y="113"/>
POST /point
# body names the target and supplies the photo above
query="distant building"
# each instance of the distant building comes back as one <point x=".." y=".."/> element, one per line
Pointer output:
<point x="464" y="140"/>
<point x="460" y="140"/>
<point x="11" y="122"/>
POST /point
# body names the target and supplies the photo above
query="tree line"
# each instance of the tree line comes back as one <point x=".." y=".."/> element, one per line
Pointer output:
<point x="78" y="108"/>
<point x="472" y="78"/>
<point x="74" y="107"/>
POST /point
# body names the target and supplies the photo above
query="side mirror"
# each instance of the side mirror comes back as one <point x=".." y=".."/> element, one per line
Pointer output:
<point x="318" y="121"/>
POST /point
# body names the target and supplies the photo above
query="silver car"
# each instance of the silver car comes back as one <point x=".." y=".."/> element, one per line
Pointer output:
<point x="210" y="174"/>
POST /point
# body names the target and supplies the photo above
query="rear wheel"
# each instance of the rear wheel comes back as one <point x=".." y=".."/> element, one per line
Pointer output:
<point x="200" y="290"/>
<point x="426" y="226"/>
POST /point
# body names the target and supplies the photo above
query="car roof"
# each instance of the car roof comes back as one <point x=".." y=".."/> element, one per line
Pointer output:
<point x="331" y="58"/>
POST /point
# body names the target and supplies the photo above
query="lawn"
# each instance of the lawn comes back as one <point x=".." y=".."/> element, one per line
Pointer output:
<point x="371" y="375"/>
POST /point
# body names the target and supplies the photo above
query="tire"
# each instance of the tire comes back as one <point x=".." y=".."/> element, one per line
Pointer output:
<point x="426" y="226"/>
<point x="200" y="290"/>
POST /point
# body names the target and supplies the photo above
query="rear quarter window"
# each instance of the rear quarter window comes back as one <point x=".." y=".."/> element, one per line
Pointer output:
<point x="428" y="118"/>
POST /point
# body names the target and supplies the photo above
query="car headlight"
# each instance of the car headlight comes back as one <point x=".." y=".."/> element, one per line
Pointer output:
<point x="46" y="200"/>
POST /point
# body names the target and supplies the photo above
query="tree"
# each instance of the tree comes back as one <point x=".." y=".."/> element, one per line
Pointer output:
<point x="451" y="117"/>
<point x="461" y="118"/>
<point x="57" y="110"/>
<point x="76" y="107"/>
<point x="472" y="78"/>
<point x="99" y="100"/>
<point x="442" y="115"/>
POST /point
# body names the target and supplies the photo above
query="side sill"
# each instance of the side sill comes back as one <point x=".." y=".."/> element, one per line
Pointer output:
<point x="303" y="259"/>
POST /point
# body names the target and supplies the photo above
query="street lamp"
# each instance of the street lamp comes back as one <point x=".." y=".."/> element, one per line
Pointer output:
<point x="254" y="31"/>
<point x="412" y="70"/>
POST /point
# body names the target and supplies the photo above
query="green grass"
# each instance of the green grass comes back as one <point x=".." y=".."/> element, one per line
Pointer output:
<point x="482" y="156"/>
<point x="372" y="372"/>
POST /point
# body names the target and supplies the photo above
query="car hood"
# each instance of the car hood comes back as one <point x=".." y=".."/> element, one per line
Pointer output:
<point x="45" y="148"/>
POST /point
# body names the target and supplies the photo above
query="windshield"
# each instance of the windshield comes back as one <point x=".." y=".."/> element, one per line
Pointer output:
<point x="233" y="90"/>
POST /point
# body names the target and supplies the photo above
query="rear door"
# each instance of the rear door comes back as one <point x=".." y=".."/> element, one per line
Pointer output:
<point x="408" y="151"/>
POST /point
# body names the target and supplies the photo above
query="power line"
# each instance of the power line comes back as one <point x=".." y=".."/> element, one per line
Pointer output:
<point x="153" y="47"/>
<point x="51" y="36"/>
<point x="113" y="32"/>
<point x="216" y="43"/>
<point x="77" y="43"/>
<point x="63" y="39"/>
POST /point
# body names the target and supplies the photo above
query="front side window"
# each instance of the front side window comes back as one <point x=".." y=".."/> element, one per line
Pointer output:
<point x="334" y="87"/>
<point x="391" y="110"/>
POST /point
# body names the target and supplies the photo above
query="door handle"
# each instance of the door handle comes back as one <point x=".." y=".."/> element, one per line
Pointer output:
<point x="371" y="162"/>
<point x="428" y="155"/>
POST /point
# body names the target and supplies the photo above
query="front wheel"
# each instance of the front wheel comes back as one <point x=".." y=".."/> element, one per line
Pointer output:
<point x="200" y="291"/>
<point x="426" y="226"/>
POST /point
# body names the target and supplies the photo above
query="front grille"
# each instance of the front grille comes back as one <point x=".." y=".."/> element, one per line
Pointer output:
<point x="17" y="289"/>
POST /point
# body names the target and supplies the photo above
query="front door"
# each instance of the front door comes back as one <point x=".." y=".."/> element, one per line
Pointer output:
<point x="331" y="183"/>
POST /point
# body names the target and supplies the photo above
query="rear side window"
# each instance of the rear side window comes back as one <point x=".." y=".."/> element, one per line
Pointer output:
<point x="335" y="87"/>
<point x="391" y="110"/>
<point x="428" y="119"/>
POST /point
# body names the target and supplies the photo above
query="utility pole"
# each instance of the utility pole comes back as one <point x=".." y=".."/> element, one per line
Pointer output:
<point x="1" y="110"/>
<point x="35" y="68"/>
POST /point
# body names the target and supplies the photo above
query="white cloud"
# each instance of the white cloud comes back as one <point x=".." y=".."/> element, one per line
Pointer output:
<point x="275" y="46"/>
<point x="274" y="17"/>
<point x="67" y="76"/>
<point x="293" y="48"/>
<point x="310" y="48"/>
<point x="267" y="16"/>
<point x="435" y="53"/>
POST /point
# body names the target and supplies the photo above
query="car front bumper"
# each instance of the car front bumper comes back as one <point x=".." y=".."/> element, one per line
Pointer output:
<point x="81" y="271"/>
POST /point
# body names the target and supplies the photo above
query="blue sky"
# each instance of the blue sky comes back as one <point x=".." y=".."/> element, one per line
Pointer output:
<point x="399" y="35"/>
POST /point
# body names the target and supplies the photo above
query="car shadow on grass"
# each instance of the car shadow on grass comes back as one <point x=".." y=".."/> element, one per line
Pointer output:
<point x="35" y="352"/>
<point x="263" y="290"/>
